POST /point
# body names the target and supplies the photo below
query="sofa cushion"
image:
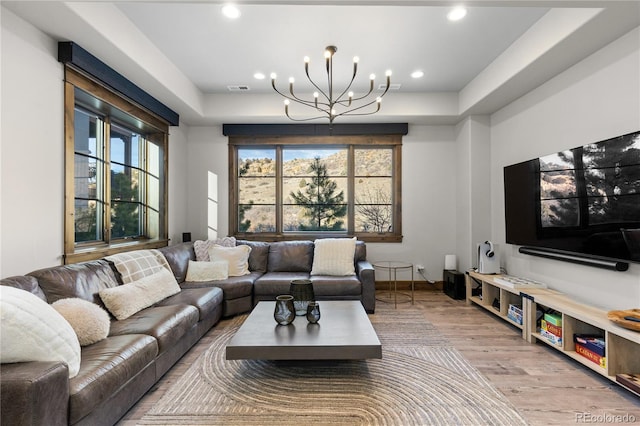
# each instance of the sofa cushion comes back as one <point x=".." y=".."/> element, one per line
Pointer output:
<point x="178" y="257"/>
<point x="202" y="247"/>
<point x="290" y="256"/>
<point x="276" y="283"/>
<point x="168" y="324"/>
<point x="127" y="299"/>
<point x="106" y="367"/>
<point x="89" y="321"/>
<point x="236" y="257"/>
<point x="137" y="264"/>
<point x="259" y="255"/>
<point x="25" y="282"/>
<point x="325" y="285"/>
<point x="232" y="287"/>
<point x="334" y="256"/>
<point x="83" y="280"/>
<point x="207" y="271"/>
<point x="205" y="299"/>
<point x="32" y="330"/>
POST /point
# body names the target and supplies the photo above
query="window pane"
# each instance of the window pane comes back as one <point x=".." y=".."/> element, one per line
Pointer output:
<point x="87" y="221"/>
<point x="125" y="146"/>
<point x="374" y="200"/>
<point x="373" y="162"/>
<point x="300" y="162"/>
<point x="257" y="190"/>
<point x="85" y="179"/>
<point x="125" y="183"/>
<point x="256" y="162"/>
<point x="85" y="133"/>
<point x="125" y="219"/>
<point x="253" y="218"/>
<point x="328" y="217"/>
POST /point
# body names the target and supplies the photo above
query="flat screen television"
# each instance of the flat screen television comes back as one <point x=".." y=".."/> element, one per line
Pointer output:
<point x="584" y="201"/>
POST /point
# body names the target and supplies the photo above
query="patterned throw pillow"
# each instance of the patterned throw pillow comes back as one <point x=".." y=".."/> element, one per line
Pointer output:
<point x="137" y="264"/>
<point x="201" y="247"/>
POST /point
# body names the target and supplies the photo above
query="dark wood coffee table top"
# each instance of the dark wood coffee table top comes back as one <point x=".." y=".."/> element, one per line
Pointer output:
<point x="343" y="332"/>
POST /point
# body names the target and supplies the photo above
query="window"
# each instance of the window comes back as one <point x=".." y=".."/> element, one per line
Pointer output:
<point x="293" y="187"/>
<point x="115" y="173"/>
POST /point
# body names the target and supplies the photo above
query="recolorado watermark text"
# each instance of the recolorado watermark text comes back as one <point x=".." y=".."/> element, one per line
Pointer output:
<point x="587" y="417"/>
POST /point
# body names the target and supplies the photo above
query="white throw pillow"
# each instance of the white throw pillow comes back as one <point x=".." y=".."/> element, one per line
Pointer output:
<point x="237" y="257"/>
<point x="90" y="322"/>
<point x="127" y="299"/>
<point x="334" y="256"/>
<point x="207" y="271"/>
<point x="31" y="330"/>
<point x="201" y="247"/>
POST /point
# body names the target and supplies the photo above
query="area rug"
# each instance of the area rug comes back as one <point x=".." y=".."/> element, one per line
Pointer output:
<point x="420" y="380"/>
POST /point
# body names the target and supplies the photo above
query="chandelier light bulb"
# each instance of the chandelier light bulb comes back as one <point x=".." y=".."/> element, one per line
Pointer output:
<point x="286" y="102"/>
<point x="291" y="80"/>
<point x="306" y="59"/>
<point x="378" y="99"/>
<point x="350" y="94"/>
<point x="356" y="59"/>
<point x="372" y="77"/>
<point x="316" y="94"/>
<point x="327" y="54"/>
<point x="273" y="76"/>
<point x="388" y="73"/>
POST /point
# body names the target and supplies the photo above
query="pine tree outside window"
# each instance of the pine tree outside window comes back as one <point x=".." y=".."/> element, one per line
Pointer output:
<point x="308" y="187"/>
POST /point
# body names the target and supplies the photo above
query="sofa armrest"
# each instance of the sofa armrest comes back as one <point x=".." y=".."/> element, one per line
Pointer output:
<point x="366" y="275"/>
<point x="34" y="393"/>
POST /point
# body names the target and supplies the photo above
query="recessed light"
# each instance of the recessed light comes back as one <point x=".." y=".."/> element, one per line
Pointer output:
<point x="457" y="13"/>
<point x="417" y="74"/>
<point x="259" y="76"/>
<point x="230" y="11"/>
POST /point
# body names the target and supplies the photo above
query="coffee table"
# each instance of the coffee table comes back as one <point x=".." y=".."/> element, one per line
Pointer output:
<point x="343" y="332"/>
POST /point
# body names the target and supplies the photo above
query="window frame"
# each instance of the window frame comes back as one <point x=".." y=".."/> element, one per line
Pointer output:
<point x="351" y="142"/>
<point x="78" y="252"/>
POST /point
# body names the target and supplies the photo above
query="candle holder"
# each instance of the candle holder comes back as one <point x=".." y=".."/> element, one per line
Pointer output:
<point x="284" y="312"/>
<point x="302" y="292"/>
<point x="313" y="312"/>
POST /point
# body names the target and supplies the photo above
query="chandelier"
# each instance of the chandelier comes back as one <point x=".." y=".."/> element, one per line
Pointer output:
<point x="325" y="102"/>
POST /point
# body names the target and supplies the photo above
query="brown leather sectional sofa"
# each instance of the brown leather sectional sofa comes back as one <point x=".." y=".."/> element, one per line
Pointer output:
<point x="117" y="371"/>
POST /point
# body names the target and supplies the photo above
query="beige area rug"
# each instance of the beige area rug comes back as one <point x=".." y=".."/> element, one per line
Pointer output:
<point x="420" y="380"/>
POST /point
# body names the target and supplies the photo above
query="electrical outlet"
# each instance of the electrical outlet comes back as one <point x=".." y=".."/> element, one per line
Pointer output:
<point x="419" y="268"/>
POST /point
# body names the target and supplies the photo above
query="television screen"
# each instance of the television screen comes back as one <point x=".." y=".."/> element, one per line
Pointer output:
<point x="584" y="200"/>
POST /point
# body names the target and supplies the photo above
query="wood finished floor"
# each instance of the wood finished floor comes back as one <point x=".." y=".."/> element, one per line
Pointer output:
<point x="547" y="387"/>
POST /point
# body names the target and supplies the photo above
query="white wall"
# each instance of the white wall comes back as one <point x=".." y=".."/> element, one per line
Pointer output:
<point x="32" y="153"/>
<point x="208" y="176"/>
<point x="32" y="149"/>
<point x="596" y="99"/>
<point x="429" y="176"/>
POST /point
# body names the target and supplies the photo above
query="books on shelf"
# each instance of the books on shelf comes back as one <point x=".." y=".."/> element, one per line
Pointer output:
<point x="591" y="356"/>
<point x="515" y="313"/>
<point x="551" y="328"/>
<point x="552" y="338"/>
<point x="551" y="331"/>
<point x="594" y="343"/>
<point x="632" y="381"/>
<point x="554" y="319"/>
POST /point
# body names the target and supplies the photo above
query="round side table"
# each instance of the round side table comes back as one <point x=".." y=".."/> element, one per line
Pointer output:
<point x="393" y="266"/>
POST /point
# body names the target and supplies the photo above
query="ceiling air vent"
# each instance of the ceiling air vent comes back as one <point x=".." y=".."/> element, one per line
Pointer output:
<point x="394" y="86"/>
<point x="241" y="88"/>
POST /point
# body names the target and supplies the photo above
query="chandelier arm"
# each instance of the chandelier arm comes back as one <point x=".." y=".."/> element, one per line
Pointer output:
<point x="351" y="111"/>
<point x="306" y="70"/>
<point x="296" y="99"/>
<point x="353" y="77"/>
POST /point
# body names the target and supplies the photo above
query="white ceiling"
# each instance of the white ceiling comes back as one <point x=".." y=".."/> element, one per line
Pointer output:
<point x="187" y="54"/>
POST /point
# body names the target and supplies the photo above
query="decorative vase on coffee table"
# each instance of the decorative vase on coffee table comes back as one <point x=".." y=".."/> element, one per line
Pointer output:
<point x="302" y="292"/>
<point x="284" y="312"/>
